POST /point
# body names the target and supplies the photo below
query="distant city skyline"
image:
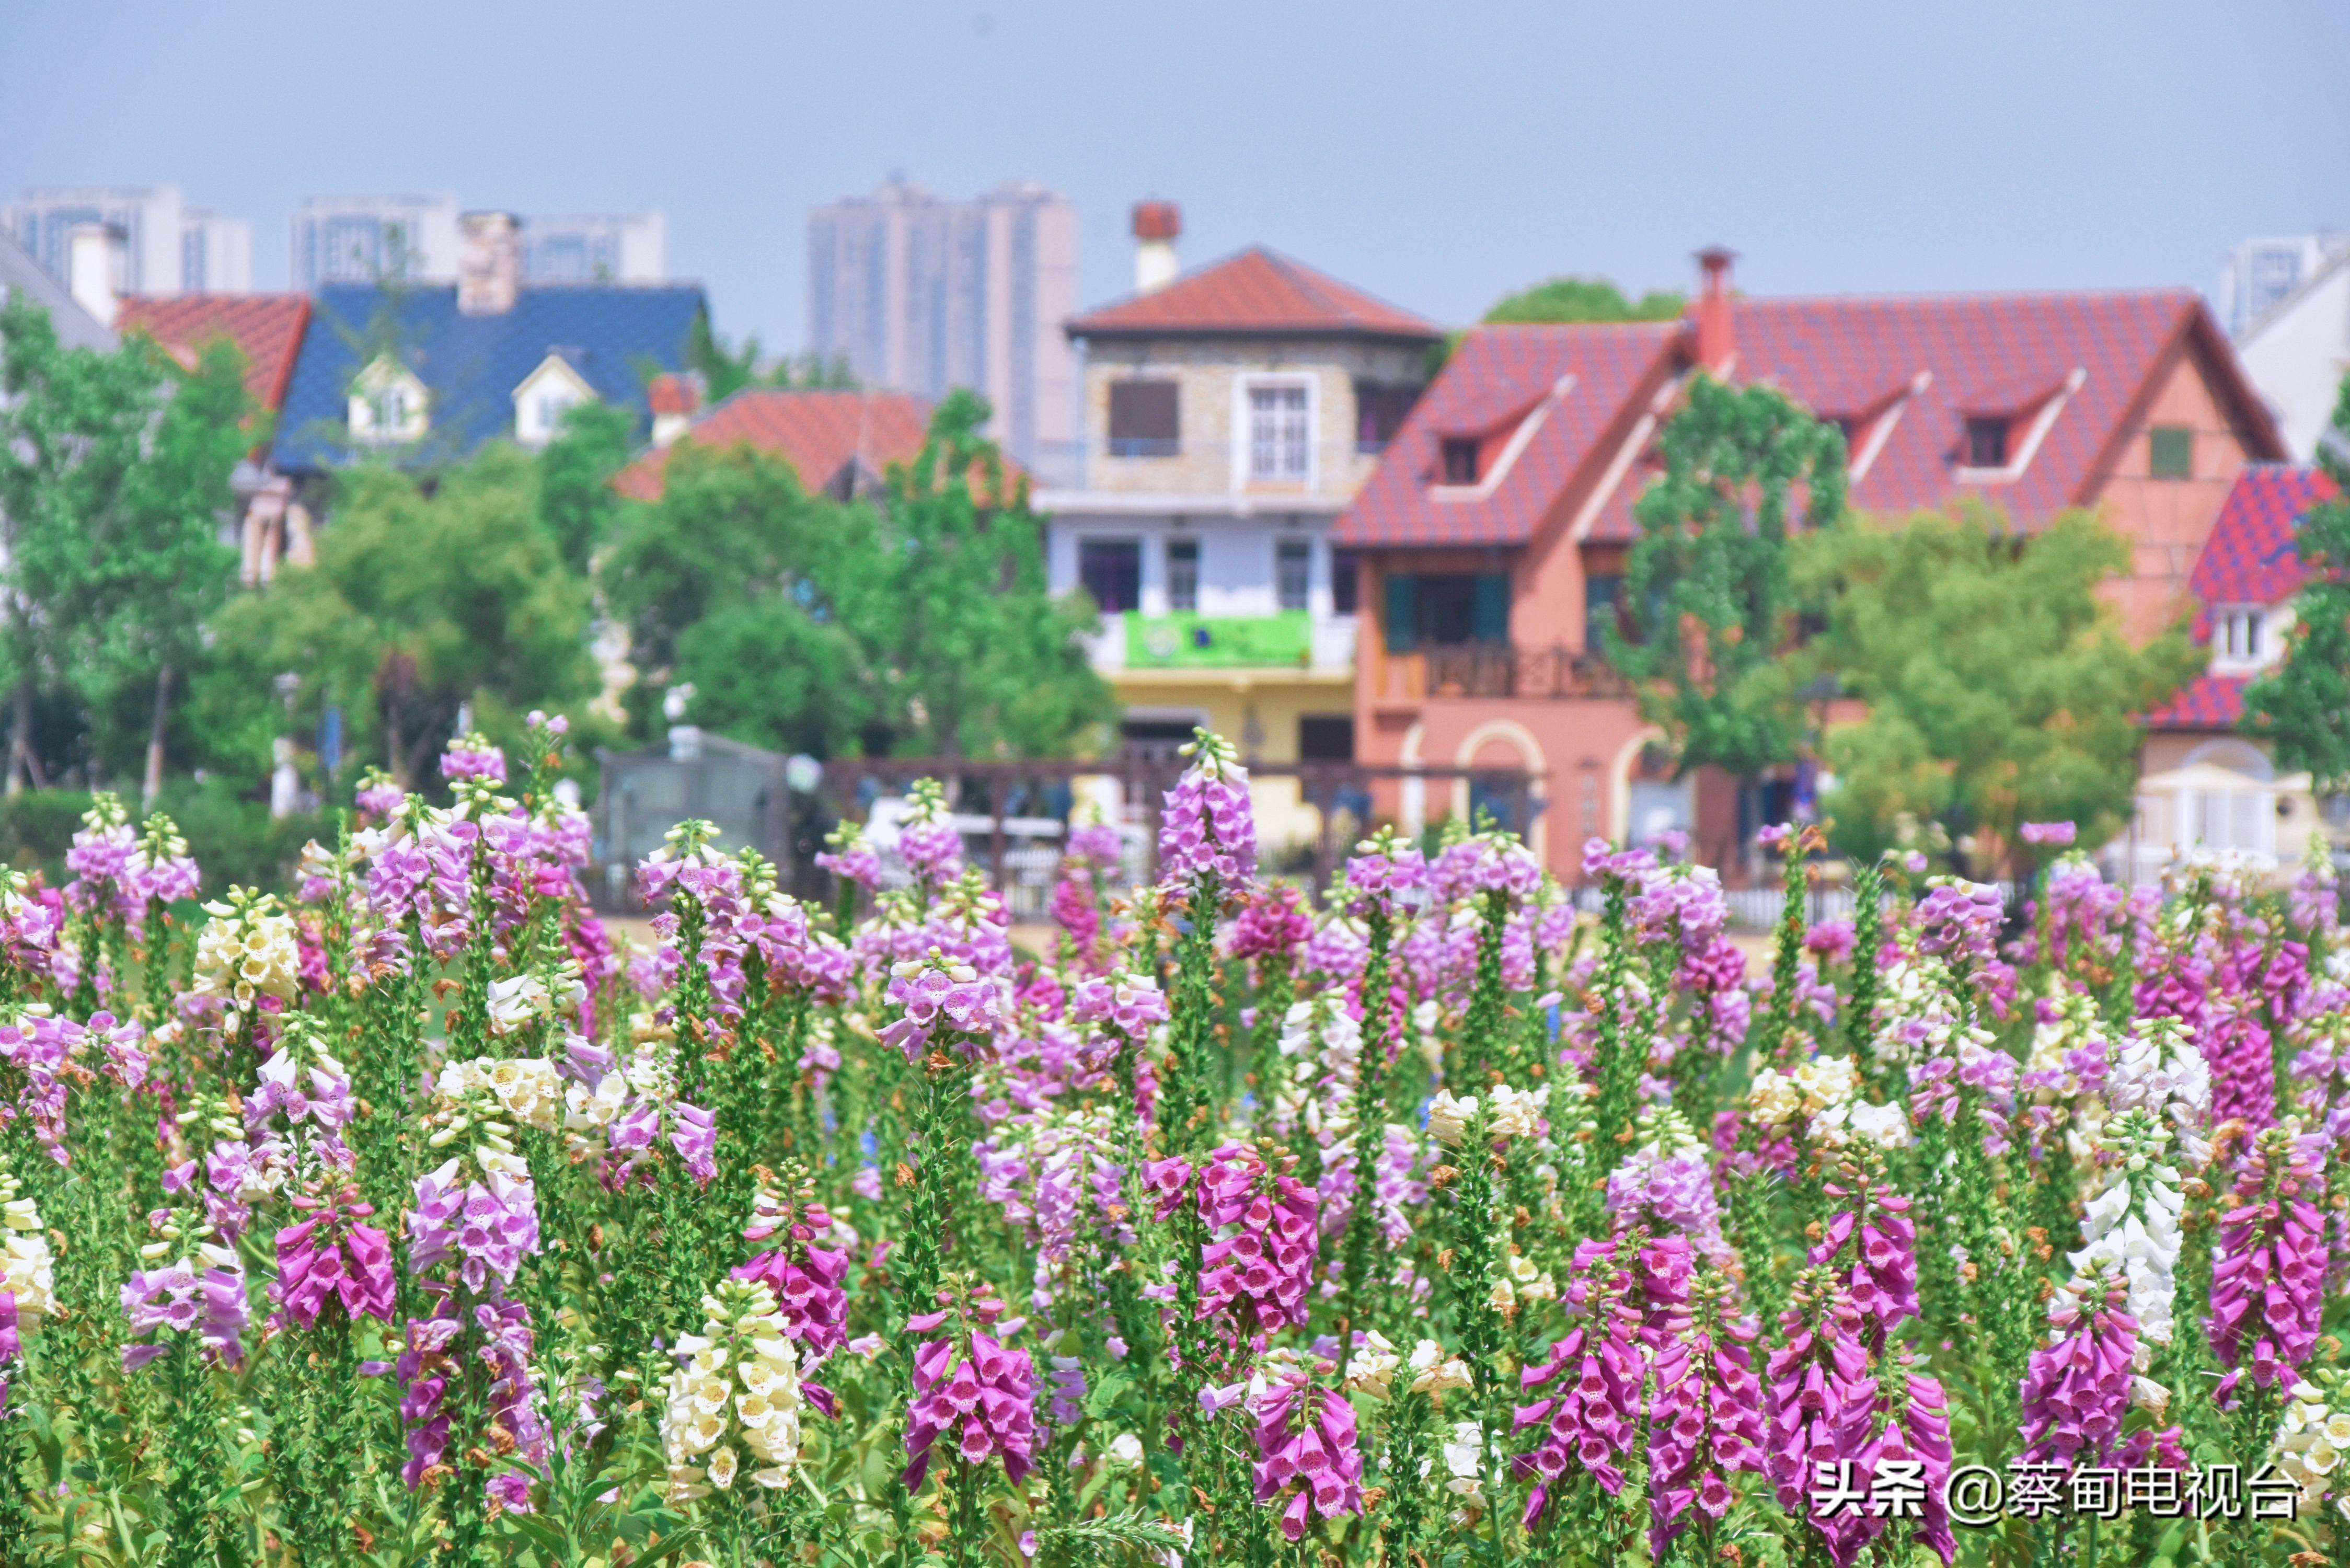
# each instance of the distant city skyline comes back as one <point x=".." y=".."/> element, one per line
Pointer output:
<point x="1839" y="147"/>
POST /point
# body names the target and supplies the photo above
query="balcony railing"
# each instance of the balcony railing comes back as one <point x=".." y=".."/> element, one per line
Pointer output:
<point x="1502" y="670"/>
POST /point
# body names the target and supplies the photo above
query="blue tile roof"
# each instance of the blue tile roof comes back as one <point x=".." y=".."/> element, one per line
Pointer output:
<point x="616" y="336"/>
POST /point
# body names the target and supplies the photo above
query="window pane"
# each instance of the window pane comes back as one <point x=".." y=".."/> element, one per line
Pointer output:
<point x="1325" y="738"/>
<point x="1986" y="441"/>
<point x="2171" y="452"/>
<point x="1144" y="419"/>
<point x="1345" y="570"/>
<point x="1183" y="574"/>
<point x="1279" y="438"/>
<point x="1292" y="568"/>
<point x="1459" y="459"/>
<point x="1111" y="571"/>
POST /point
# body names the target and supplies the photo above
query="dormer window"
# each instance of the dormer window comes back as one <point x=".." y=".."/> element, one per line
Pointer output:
<point x="2240" y="638"/>
<point x="388" y="405"/>
<point x="544" y="396"/>
<point x="1987" y="441"/>
<point x="1460" y="460"/>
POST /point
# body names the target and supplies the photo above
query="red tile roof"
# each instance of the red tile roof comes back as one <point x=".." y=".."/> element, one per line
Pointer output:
<point x="1257" y="291"/>
<point x="2206" y="702"/>
<point x="818" y="433"/>
<point x="1498" y="372"/>
<point x="2249" y="559"/>
<point x="267" y="327"/>
<point x="1978" y="353"/>
<point x="672" y="392"/>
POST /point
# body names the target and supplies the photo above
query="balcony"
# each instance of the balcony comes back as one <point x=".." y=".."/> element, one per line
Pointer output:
<point x="1322" y="645"/>
<point x="1500" y="669"/>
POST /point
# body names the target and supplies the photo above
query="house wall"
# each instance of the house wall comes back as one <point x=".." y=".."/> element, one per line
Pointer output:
<point x="2166" y="521"/>
<point x="2298" y="356"/>
<point x="1211" y="418"/>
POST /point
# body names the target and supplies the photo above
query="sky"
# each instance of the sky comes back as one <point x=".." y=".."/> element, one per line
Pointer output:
<point x="1438" y="155"/>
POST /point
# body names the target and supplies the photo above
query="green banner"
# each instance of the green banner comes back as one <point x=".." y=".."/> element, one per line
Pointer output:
<point x="1191" y="641"/>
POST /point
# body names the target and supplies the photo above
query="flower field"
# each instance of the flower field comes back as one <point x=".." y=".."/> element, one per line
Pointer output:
<point x="409" y="1219"/>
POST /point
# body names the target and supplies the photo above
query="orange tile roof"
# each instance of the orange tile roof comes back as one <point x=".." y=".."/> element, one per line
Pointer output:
<point x="267" y="327"/>
<point x="817" y="432"/>
<point x="1257" y="291"/>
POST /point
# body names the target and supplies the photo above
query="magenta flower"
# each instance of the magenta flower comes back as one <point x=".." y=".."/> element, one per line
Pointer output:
<point x="2056" y="833"/>
<point x="2268" y="1268"/>
<point x="2076" y="1388"/>
<point x="805" y="1279"/>
<point x="332" y="1257"/>
<point x="1261" y="1264"/>
<point x="975" y="1391"/>
<point x="1209" y="827"/>
<point x="1705" y="1414"/>
<point x="1599" y="1368"/>
<point x="1305" y="1448"/>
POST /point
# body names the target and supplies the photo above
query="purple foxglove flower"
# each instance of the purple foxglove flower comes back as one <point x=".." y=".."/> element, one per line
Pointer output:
<point x="976" y="1392"/>
<point x="1306" y="1451"/>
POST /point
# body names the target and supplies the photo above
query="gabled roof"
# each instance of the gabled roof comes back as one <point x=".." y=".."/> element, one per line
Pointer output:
<point x="75" y="327"/>
<point x="2076" y="368"/>
<point x="614" y="335"/>
<point x="1257" y="291"/>
<point x="267" y="328"/>
<point x="1578" y="380"/>
<point x="2249" y="559"/>
<point x="817" y="432"/>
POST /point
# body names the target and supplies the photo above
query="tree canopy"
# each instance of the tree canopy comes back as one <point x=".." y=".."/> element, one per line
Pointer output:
<point x="1998" y="685"/>
<point x="1707" y="592"/>
<point x="914" y="622"/>
<point x="2302" y="707"/>
<point x="114" y="481"/>
<point x="1576" y="300"/>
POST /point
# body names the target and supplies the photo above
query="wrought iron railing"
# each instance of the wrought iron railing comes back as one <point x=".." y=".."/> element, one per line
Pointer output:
<point x="1503" y="669"/>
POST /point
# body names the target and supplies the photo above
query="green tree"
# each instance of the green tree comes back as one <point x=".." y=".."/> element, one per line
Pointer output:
<point x="1999" y="687"/>
<point x="1577" y="299"/>
<point x="2301" y="708"/>
<point x="576" y="504"/>
<point x="1706" y="589"/>
<point x="732" y="527"/>
<point x="114" y="481"/>
<point x="420" y="605"/>
<point x="915" y="621"/>
<point x="725" y="371"/>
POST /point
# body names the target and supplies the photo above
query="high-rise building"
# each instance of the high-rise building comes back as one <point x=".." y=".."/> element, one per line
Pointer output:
<point x="924" y="294"/>
<point x="368" y="238"/>
<point x="167" y="246"/>
<point x="596" y="247"/>
<point x="2260" y="273"/>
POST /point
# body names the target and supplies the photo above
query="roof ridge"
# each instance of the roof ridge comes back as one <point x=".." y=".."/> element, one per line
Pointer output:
<point x="1969" y="295"/>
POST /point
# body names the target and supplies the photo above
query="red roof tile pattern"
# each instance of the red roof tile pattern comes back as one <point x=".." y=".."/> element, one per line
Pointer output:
<point x="1494" y="373"/>
<point x="671" y="392"/>
<point x="2249" y="557"/>
<point x="1257" y="291"/>
<point x="2206" y="702"/>
<point x="267" y="327"/>
<point x="1862" y="356"/>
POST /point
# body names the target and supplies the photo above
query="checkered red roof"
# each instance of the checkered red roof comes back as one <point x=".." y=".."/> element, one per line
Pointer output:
<point x="1974" y="354"/>
<point x="266" y="327"/>
<point x="2249" y="557"/>
<point x="1257" y="291"/>
<point x="2206" y="702"/>
<point x="1497" y="372"/>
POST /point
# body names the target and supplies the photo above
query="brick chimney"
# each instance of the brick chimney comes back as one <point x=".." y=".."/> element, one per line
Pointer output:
<point x="489" y="264"/>
<point x="95" y="257"/>
<point x="1717" y="342"/>
<point x="1156" y="226"/>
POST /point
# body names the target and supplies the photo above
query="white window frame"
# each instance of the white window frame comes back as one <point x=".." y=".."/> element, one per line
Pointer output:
<point x="2243" y="637"/>
<point x="388" y="405"/>
<point x="1244" y="475"/>
<point x="1283" y="543"/>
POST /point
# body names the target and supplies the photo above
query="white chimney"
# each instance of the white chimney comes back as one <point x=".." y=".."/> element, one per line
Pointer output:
<point x="1156" y="226"/>
<point x="489" y="266"/>
<point x="95" y="260"/>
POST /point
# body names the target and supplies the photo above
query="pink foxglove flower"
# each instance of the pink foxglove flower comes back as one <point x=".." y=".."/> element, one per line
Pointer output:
<point x="1261" y="1264"/>
<point x="1209" y="827"/>
<point x="974" y="1391"/>
<point x="1705" y="1413"/>
<point x="1598" y="1365"/>
<point x="333" y="1257"/>
<point x="2267" y="1266"/>
<point x="2077" y="1387"/>
<point x="1306" y="1451"/>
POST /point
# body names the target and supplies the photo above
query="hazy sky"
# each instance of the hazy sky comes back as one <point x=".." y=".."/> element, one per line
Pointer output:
<point x="1436" y="154"/>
